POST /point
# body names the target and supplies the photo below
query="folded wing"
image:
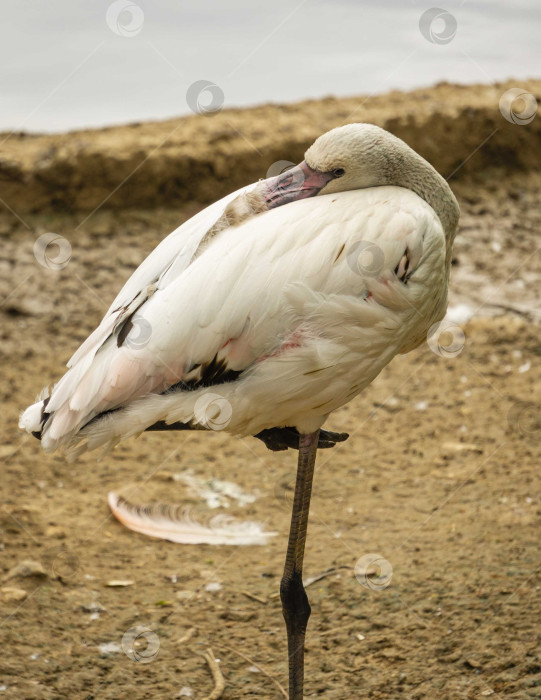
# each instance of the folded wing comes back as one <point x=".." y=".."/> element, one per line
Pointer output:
<point x="283" y="285"/>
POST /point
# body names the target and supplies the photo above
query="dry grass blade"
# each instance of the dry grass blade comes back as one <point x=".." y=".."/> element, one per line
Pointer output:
<point x="254" y="597"/>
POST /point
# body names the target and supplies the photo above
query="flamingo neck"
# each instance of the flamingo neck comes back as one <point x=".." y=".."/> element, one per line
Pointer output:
<point x="416" y="174"/>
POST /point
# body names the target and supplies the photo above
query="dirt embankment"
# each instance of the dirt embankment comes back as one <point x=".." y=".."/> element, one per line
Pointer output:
<point x="200" y="158"/>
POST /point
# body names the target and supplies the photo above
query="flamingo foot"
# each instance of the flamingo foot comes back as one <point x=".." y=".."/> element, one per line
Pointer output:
<point x="277" y="439"/>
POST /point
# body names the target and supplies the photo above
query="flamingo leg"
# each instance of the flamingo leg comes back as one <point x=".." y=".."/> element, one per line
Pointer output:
<point x="295" y="605"/>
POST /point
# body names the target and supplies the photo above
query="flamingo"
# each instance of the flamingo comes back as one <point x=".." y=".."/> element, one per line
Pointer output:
<point x="284" y="300"/>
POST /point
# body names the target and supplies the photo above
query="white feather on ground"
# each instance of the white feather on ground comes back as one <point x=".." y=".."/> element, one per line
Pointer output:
<point x="169" y="522"/>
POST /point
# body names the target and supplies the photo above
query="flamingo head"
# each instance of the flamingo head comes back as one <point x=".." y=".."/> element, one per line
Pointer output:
<point x="346" y="158"/>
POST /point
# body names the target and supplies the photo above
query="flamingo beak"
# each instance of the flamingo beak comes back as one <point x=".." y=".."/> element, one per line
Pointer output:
<point x="299" y="182"/>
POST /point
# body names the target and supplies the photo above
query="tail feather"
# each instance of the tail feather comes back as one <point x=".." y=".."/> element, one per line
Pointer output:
<point x="115" y="377"/>
<point x="31" y="419"/>
<point x="108" y="429"/>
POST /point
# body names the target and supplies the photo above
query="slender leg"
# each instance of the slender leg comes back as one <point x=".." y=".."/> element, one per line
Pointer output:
<point x="295" y="605"/>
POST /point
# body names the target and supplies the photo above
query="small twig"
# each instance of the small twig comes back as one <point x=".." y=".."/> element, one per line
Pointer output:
<point x="254" y="597"/>
<point x="314" y="579"/>
<point x="512" y="309"/>
<point x="318" y="577"/>
<point x="339" y="629"/>
<point x="265" y="673"/>
<point x="186" y="637"/>
<point x="219" y="682"/>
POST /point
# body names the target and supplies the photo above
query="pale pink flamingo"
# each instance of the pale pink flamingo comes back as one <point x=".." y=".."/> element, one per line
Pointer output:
<point x="285" y="300"/>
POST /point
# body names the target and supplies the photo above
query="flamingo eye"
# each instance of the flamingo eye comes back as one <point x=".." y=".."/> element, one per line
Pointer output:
<point x="338" y="172"/>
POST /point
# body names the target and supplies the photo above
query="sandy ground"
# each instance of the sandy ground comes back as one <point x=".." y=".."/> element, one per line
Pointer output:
<point x="439" y="477"/>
